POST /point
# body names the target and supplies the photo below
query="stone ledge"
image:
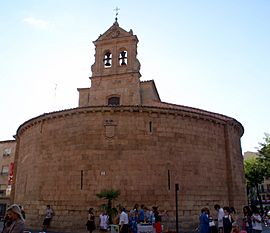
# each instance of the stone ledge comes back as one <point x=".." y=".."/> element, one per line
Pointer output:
<point x="181" y="111"/>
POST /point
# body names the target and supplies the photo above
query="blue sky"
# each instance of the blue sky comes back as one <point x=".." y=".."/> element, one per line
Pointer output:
<point x="209" y="54"/>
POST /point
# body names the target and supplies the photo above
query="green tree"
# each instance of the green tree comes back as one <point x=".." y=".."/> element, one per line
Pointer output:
<point x="264" y="153"/>
<point x="255" y="172"/>
<point x="110" y="195"/>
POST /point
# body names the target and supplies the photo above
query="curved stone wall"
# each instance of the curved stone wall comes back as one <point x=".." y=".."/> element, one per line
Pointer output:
<point x="64" y="158"/>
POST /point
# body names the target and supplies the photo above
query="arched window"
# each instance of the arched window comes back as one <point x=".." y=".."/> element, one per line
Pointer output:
<point x="107" y="59"/>
<point x="114" y="100"/>
<point x="123" y="58"/>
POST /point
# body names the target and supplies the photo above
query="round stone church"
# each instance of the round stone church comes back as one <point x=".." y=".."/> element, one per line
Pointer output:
<point x="123" y="137"/>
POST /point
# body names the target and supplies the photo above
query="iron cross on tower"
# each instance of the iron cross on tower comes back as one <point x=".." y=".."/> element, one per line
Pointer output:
<point x="116" y="12"/>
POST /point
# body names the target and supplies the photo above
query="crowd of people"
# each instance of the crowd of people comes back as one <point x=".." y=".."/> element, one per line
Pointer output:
<point x="226" y="220"/>
<point x="127" y="221"/>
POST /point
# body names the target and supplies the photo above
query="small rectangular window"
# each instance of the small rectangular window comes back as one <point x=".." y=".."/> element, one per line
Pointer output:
<point x="3" y="186"/>
<point x="5" y="170"/>
<point x="81" y="179"/>
<point x="169" y="180"/>
<point x="7" y="152"/>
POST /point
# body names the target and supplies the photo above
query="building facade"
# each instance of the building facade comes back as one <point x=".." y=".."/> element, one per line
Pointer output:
<point x="7" y="154"/>
<point x="122" y="136"/>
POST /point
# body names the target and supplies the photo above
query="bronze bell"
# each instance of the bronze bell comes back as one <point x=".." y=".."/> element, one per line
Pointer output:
<point x="123" y="57"/>
<point x="123" y="54"/>
<point x="107" y="63"/>
<point x="107" y="59"/>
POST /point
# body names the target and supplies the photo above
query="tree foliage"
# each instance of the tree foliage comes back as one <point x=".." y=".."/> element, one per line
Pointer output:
<point x="254" y="171"/>
<point x="264" y="153"/>
<point x="110" y="195"/>
<point x="258" y="168"/>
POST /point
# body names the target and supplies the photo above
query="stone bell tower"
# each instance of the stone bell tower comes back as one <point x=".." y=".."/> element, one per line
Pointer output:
<point x="116" y="72"/>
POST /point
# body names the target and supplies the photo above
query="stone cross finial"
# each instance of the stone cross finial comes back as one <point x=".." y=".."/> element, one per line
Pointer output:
<point x="116" y="12"/>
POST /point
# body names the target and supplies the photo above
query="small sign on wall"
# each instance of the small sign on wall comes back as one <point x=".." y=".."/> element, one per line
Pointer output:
<point x="102" y="173"/>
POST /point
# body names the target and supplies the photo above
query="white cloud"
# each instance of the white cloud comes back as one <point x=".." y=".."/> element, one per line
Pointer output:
<point x="38" y="23"/>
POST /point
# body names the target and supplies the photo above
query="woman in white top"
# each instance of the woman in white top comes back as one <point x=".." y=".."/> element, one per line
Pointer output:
<point x="103" y="221"/>
<point x="256" y="220"/>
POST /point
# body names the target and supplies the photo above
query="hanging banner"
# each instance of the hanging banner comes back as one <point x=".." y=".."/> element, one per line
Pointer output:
<point x="11" y="172"/>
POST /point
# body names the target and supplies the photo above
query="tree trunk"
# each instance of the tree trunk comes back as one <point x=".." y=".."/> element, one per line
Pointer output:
<point x="259" y="198"/>
<point x="110" y="211"/>
<point x="248" y="195"/>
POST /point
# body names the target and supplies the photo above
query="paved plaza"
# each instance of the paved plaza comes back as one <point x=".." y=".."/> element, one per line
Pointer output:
<point x="265" y="230"/>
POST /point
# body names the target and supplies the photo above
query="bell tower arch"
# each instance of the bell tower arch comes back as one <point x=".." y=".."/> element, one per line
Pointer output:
<point x="116" y="70"/>
<point x="116" y="53"/>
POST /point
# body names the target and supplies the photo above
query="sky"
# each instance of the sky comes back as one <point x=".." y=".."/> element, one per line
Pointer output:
<point x="208" y="54"/>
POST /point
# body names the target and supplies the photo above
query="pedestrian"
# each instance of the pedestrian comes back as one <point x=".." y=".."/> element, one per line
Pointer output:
<point x="233" y="214"/>
<point x="155" y="212"/>
<point x="220" y="215"/>
<point x="227" y="220"/>
<point x="135" y="211"/>
<point x="123" y="221"/>
<point x="90" y="225"/>
<point x="147" y="215"/>
<point x="133" y="220"/>
<point x="157" y="217"/>
<point x="247" y="223"/>
<point x="103" y="221"/>
<point x="15" y="219"/>
<point x="212" y="225"/>
<point x="49" y="213"/>
<point x="256" y="220"/>
<point x="6" y="223"/>
<point x="141" y="214"/>
<point x="204" y="221"/>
